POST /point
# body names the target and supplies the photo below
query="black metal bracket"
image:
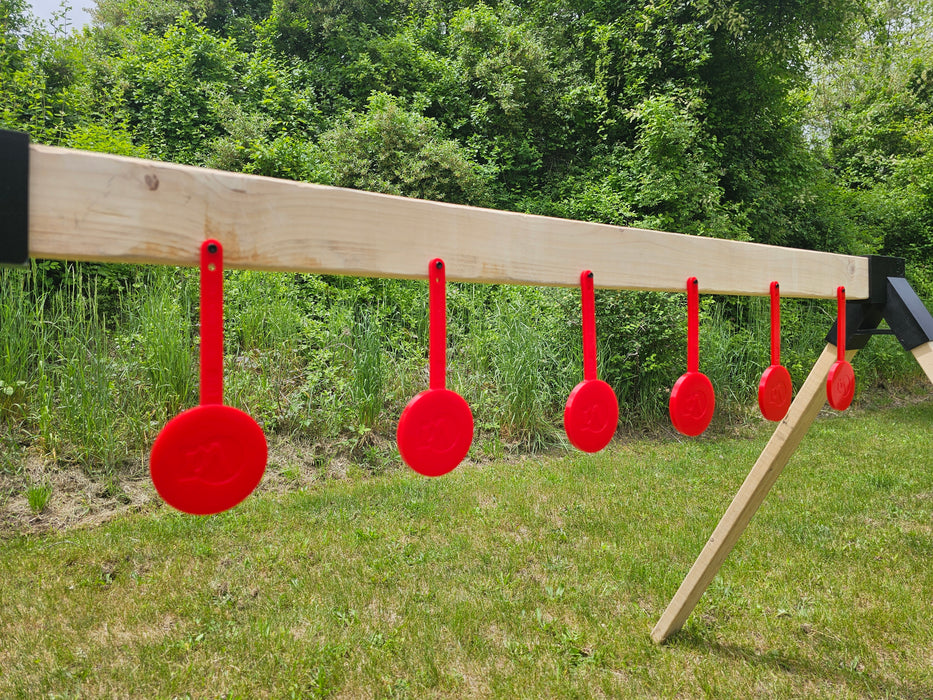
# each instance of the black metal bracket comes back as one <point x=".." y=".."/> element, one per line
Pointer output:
<point x="14" y="198"/>
<point x="891" y="299"/>
<point x="906" y="315"/>
<point x="880" y="269"/>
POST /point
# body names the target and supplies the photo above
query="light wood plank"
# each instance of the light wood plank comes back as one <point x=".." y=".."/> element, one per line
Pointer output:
<point x="90" y="206"/>
<point x="924" y="355"/>
<point x="782" y="445"/>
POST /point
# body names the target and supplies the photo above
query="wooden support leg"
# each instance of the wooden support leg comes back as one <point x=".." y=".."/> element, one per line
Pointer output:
<point x="924" y="355"/>
<point x="774" y="457"/>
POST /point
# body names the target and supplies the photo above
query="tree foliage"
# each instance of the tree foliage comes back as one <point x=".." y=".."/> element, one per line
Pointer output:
<point x="804" y="123"/>
<point x="667" y="114"/>
<point x="872" y="124"/>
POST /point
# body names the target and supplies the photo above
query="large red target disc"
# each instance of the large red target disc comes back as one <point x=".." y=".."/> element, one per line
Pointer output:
<point x="208" y="459"/>
<point x="435" y="431"/>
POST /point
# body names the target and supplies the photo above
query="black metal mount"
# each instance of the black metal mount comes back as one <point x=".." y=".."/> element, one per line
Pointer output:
<point x="891" y="299"/>
<point x="14" y="198"/>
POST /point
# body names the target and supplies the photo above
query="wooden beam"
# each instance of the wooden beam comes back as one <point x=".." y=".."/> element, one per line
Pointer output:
<point x="924" y="355"/>
<point x="91" y="206"/>
<point x="782" y="445"/>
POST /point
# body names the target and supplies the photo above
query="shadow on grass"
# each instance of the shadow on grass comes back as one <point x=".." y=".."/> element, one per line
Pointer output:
<point x="859" y="682"/>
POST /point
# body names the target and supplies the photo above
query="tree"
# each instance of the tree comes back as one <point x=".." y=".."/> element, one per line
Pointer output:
<point x="42" y="75"/>
<point x="226" y="17"/>
<point x="871" y="120"/>
<point x="389" y="148"/>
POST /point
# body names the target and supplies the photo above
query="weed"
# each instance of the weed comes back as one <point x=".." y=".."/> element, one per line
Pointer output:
<point x="11" y="454"/>
<point x="368" y="381"/>
<point x="37" y="496"/>
<point x="163" y="340"/>
<point x="292" y="473"/>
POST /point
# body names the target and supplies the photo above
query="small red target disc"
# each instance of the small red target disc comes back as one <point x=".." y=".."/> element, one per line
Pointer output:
<point x="692" y="403"/>
<point x="840" y="385"/>
<point x="775" y="391"/>
<point x="591" y="415"/>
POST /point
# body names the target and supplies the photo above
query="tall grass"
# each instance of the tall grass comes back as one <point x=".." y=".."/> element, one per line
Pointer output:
<point x="735" y="351"/>
<point x="22" y="342"/>
<point x="88" y="409"/>
<point x="22" y="336"/>
<point x="85" y="384"/>
<point x="93" y="361"/>
<point x="527" y="368"/>
<point x="367" y="385"/>
<point x="517" y="357"/>
<point x="162" y="340"/>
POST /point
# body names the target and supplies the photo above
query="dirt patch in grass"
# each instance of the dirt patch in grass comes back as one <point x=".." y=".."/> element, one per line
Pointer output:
<point x="82" y="499"/>
<point x="77" y="499"/>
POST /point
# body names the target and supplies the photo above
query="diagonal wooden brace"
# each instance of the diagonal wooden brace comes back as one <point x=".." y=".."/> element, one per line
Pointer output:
<point x="771" y="462"/>
<point x="924" y="355"/>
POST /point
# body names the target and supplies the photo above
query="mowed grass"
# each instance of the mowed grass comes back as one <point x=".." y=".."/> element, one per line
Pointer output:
<point x="540" y="578"/>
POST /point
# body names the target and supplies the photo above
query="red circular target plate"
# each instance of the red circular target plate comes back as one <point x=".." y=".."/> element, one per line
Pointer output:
<point x="435" y="431"/>
<point x="591" y="415"/>
<point x="208" y="459"/>
<point x="775" y="391"/>
<point x="692" y="403"/>
<point x="840" y="385"/>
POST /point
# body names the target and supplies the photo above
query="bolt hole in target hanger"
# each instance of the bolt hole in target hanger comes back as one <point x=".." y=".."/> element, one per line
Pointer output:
<point x="775" y="388"/>
<point x="592" y="411"/>
<point x="436" y="428"/>
<point x="693" y="400"/>
<point x="209" y="458"/>
<point x="840" y="384"/>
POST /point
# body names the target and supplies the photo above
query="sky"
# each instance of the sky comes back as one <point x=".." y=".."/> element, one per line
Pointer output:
<point x="78" y="14"/>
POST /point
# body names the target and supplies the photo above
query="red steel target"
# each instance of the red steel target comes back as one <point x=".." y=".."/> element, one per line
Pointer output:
<point x="435" y="429"/>
<point x="592" y="411"/>
<point x="693" y="400"/>
<point x="775" y="388"/>
<point x="210" y="457"/>
<point x="840" y="384"/>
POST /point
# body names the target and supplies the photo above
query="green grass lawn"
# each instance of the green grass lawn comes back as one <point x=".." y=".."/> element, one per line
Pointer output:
<point x="536" y="578"/>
